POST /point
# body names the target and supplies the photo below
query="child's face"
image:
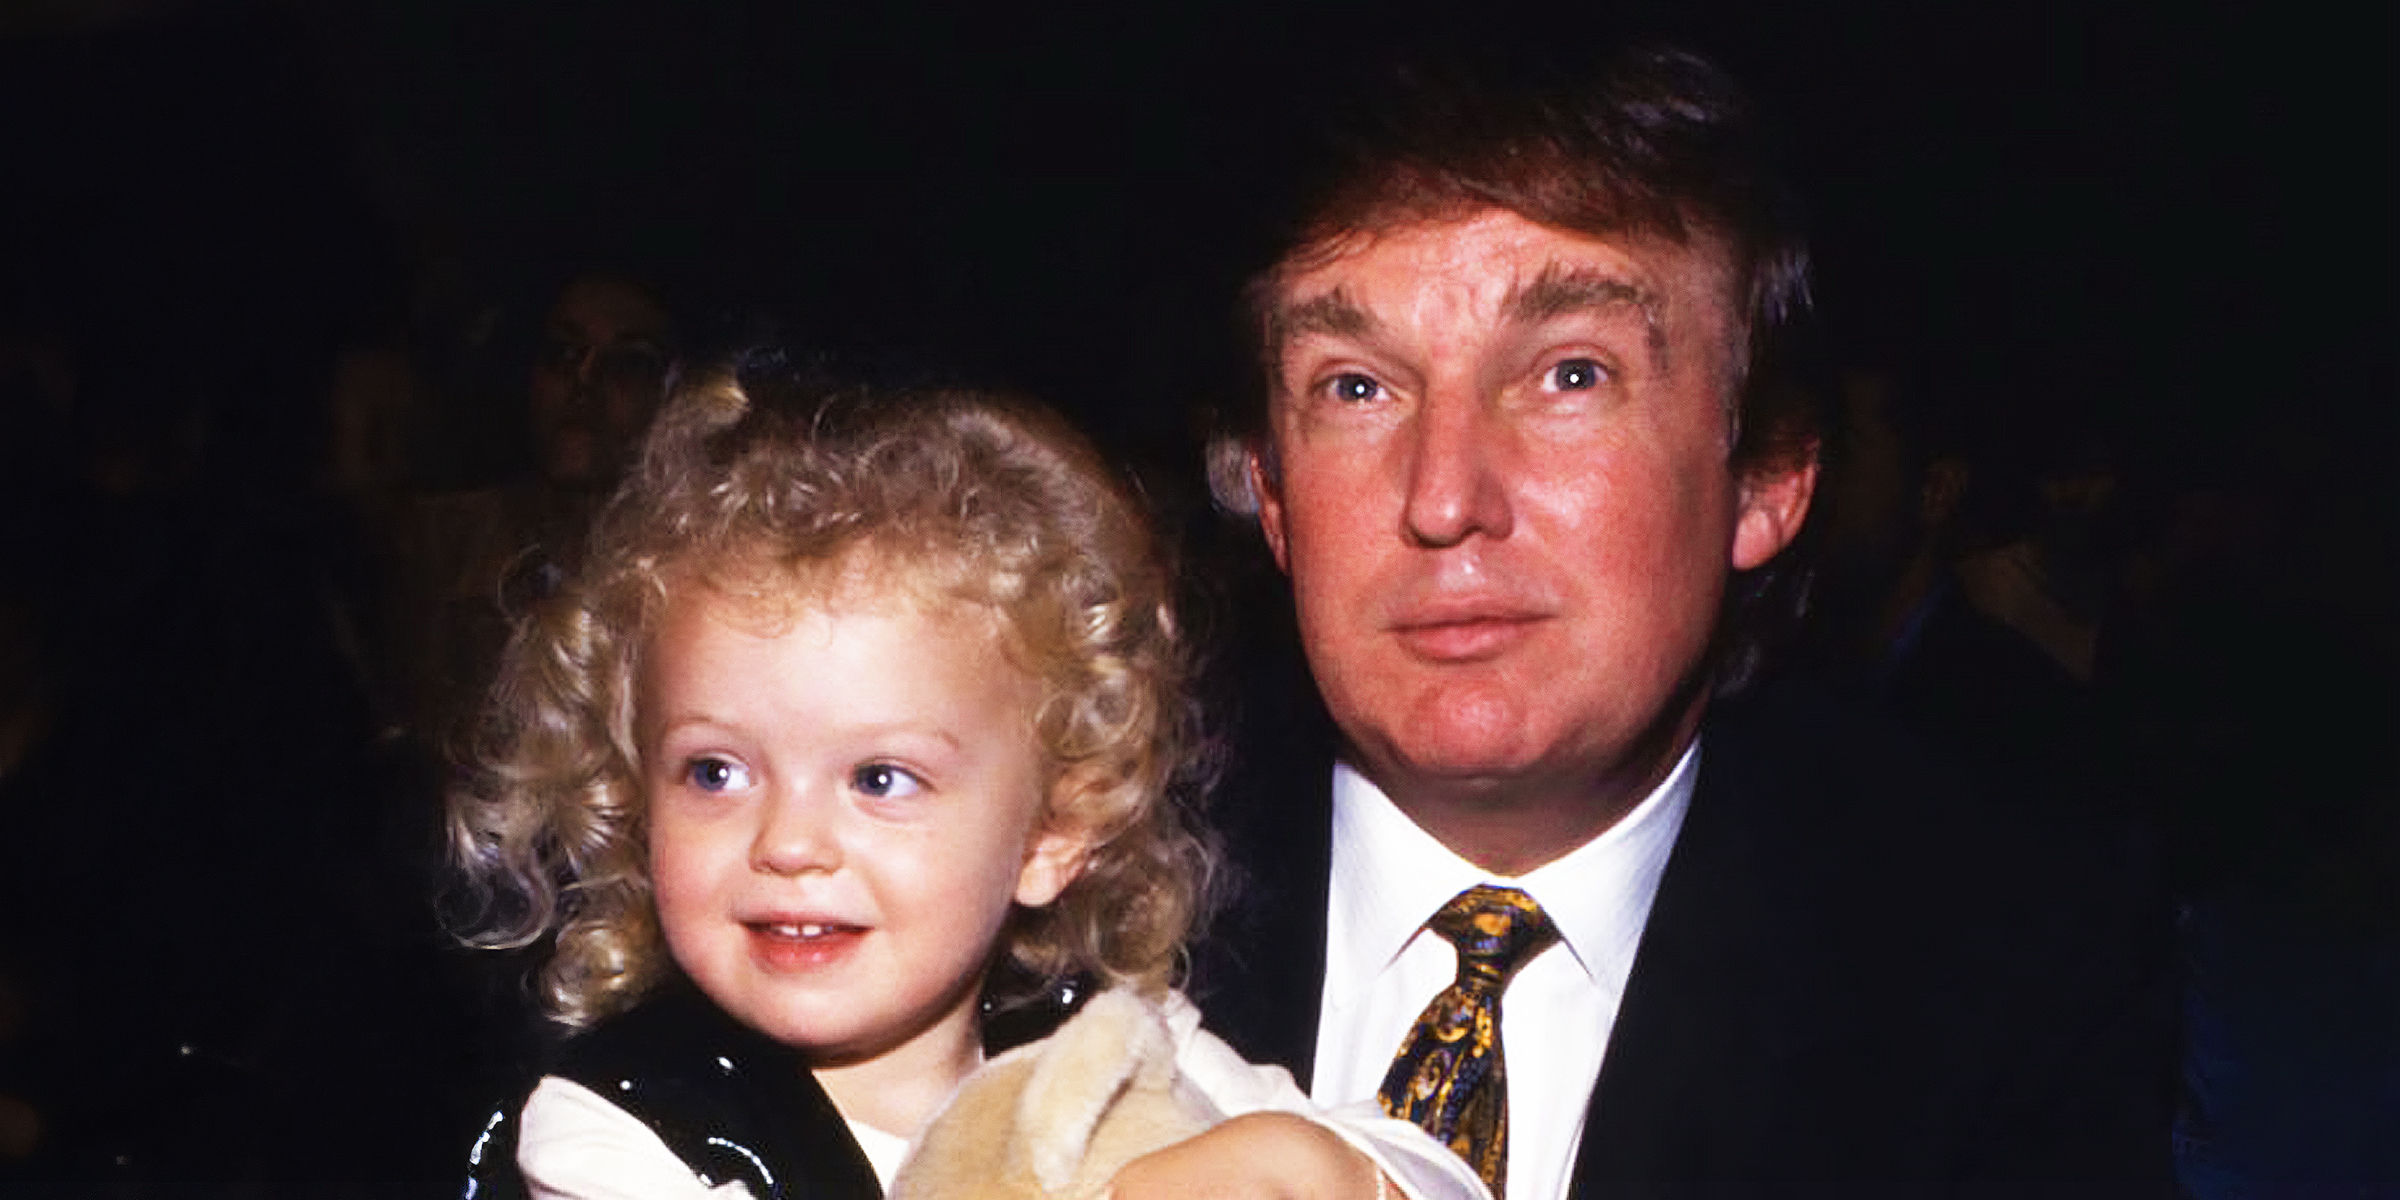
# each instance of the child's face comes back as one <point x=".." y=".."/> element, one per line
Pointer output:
<point x="843" y="806"/>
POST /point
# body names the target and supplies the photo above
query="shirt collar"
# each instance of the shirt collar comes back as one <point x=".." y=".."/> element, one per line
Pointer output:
<point x="1389" y="876"/>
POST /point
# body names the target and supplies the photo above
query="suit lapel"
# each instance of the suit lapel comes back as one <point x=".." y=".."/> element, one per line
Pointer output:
<point x="1719" y="1003"/>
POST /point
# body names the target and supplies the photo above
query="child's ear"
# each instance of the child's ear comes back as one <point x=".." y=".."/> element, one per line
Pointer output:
<point x="1052" y="861"/>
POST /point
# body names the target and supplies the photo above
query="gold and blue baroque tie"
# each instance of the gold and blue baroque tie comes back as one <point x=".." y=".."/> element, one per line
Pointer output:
<point x="1448" y="1075"/>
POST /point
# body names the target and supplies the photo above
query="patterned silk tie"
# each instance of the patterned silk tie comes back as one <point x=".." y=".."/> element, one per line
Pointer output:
<point x="1447" y="1076"/>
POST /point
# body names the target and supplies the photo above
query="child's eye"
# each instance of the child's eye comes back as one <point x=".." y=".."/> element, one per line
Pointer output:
<point x="886" y="781"/>
<point x="712" y="774"/>
<point x="1575" y="375"/>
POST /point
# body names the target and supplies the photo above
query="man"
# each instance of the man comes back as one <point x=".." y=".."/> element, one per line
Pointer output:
<point x="1529" y="504"/>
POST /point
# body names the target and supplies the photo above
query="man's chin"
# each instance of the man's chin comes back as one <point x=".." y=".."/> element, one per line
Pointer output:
<point x="1461" y="735"/>
<point x="1493" y="770"/>
<point x="1460" y="765"/>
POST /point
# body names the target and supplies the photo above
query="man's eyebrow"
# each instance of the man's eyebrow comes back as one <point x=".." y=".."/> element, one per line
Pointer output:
<point x="1333" y="314"/>
<point x="1561" y="291"/>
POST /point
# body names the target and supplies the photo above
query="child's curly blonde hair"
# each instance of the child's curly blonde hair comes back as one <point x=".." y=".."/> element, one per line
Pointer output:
<point x="753" y="486"/>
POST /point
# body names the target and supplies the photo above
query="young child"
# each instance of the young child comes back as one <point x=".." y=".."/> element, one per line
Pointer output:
<point x="855" y="698"/>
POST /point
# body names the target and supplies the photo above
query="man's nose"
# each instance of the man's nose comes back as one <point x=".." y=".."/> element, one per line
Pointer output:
<point x="798" y="834"/>
<point x="1457" y="476"/>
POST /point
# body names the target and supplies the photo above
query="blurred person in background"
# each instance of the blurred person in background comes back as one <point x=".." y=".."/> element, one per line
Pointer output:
<point x="471" y="557"/>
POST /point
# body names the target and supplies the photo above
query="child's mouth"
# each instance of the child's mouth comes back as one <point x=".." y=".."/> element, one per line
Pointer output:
<point x="811" y="930"/>
<point x="801" y="930"/>
<point x="801" y="945"/>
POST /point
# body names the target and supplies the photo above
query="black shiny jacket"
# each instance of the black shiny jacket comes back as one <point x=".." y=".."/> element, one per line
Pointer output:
<point x="726" y="1099"/>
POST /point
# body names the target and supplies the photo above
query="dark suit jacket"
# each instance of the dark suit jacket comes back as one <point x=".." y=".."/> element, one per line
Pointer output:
<point x="1855" y="972"/>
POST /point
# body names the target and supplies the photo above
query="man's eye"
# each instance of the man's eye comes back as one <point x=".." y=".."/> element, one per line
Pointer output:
<point x="1350" y="387"/>
<point x="1576" y="375"/>
<point x="885" y="781"/>
<point x="712" y="774"/>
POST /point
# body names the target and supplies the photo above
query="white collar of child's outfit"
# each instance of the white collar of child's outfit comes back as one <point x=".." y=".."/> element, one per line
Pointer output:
<point x="1382" y="966"/>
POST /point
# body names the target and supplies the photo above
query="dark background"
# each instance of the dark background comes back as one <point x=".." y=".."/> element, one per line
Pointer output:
<point x="2173" y="222"/>
<point x="2178" y="212"/>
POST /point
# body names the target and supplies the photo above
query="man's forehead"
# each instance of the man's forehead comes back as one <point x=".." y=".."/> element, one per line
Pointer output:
<point x="1679" y="297"/>
<point x="1497" y="264"/>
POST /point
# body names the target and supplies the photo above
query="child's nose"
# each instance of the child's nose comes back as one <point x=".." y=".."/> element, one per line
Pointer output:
<point x="796" y="837"/>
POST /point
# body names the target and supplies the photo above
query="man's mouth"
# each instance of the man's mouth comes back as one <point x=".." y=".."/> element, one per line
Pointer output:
<point x="1465" y="637"/>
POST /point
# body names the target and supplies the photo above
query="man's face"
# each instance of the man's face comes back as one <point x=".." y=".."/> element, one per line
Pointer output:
<point x="1503" y="496"/>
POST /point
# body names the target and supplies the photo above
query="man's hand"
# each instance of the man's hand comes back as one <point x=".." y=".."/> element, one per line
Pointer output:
<point x="1261" y="1156"/>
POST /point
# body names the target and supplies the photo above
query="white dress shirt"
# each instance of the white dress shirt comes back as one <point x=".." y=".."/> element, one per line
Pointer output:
<point x="1382" y="966"/>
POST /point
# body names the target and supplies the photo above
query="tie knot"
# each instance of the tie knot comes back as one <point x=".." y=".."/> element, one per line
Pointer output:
<point x="1495" y="929"/>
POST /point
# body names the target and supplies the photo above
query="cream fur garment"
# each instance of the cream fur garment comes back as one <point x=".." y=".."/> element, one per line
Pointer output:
<point x="1055" y="1120"/>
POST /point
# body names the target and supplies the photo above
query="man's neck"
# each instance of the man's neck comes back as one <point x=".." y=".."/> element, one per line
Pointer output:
<point x="1511" y="824"/>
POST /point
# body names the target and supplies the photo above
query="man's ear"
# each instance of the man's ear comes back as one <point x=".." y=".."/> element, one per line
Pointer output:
<point x="1052" y="861"/>
<point x="1774" y="500"/>
<point x="1270" y="505"/>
